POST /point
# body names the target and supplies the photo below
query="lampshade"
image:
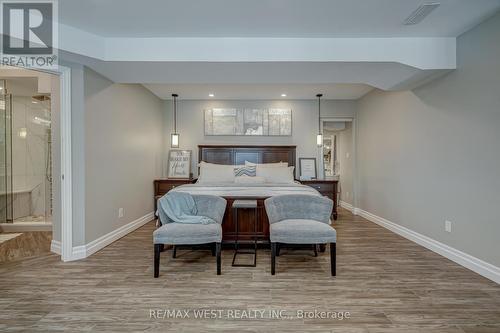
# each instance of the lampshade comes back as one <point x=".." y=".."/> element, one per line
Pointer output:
<point x="174" y="137"/>
<point x="319" y="140"/>
<point x="174" y="140"/>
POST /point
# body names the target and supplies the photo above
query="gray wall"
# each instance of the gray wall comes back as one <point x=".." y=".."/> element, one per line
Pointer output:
<point x="432" y="154"/>
<point x="123" y="152"/>
<point x="304" y="123"/>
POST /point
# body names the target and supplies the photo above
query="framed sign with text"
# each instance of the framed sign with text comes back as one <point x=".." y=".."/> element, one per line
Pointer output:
<point x="307" y="168"/>
<point x="179" y="164"/>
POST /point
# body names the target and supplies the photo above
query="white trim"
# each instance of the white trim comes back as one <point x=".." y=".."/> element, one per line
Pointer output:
<point x="55" y="247"/>
<point x="66" y="180"/>
<point x="346" y="205"/>
<point x="466" y="260"/>
<point x="79" y="252"/>
<point x="83" y="251"/>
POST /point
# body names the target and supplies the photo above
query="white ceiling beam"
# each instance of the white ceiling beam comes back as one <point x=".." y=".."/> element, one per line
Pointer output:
<point x="421" y="53"/>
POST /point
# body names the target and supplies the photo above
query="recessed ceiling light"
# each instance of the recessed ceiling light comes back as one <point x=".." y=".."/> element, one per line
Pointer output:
<point x="211" y="95"/>
<point x="34" y="102"/>
<point x="283" y="95"/>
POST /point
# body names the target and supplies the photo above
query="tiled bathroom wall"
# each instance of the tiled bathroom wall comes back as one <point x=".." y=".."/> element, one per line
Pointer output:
<point x="30" y="149"/>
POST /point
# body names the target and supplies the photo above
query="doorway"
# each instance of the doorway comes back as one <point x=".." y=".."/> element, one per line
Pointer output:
<point x="337" y="157"/>
<point x="26" y="189"/>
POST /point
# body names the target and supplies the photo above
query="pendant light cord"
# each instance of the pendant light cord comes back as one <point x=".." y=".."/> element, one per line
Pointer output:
<point x="319" y="112"/>
<point x="175" y="112"/>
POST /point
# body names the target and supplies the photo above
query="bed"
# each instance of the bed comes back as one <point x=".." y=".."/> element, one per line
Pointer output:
<point x="236" y="155"/>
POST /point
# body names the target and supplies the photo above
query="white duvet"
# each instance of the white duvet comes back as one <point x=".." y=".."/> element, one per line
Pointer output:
<point x="247" y="190"/>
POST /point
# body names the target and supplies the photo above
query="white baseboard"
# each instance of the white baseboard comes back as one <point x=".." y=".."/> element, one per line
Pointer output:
<point x="474" y="264"/>
<point x="346" y="205"/>
<point x="83" y="251"/>
<point x="55" y="247"/>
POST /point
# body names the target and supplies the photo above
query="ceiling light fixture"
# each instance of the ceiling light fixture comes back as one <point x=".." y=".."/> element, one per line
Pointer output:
<point x="319" y="137"/>
<point x="211" y="95"/>
<point x="283" y="95"/>
<point x="174" y="137"/>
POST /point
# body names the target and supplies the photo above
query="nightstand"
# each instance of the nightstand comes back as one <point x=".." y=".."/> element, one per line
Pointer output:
<point x="162" y="186"/>
<point x="327" y="188"/>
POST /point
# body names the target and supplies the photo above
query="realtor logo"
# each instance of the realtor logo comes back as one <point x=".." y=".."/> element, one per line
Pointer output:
<point x="29" y="33"/>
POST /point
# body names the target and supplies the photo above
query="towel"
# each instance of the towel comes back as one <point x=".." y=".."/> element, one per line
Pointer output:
<point x="181" y="208"/>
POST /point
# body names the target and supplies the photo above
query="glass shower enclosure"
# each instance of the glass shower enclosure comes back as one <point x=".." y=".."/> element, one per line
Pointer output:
<point x="25" y="155"/>
<point x="6" y="188"/>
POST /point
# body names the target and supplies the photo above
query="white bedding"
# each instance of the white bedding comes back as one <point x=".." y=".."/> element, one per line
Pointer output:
<point x="247" y="190"/>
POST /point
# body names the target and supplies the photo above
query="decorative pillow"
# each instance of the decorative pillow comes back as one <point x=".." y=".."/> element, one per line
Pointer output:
<point x="216" y="173"/>
<point x="249" y="180"/>
<point x="278" y="164"/>
<point x="279" y="174"/>
<point x="245" y="170"/>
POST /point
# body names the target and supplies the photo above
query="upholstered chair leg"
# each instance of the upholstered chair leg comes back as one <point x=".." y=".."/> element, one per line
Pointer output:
<point x="157" y="251"/>
<point x="217" y="253"/>
<point x="333" y="258"/>
<point x="278" y="248"/>
<point x="214" y="250"/>
<point x="315" y="248"/>
<point x="174" y="251"/>
<point x="273" y="258"/>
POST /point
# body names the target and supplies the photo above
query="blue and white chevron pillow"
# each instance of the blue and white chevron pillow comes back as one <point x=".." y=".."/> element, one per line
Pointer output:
<point x="245" y="170"/>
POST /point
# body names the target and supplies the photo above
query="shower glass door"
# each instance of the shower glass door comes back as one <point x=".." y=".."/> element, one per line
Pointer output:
<point x="6" y="203"/>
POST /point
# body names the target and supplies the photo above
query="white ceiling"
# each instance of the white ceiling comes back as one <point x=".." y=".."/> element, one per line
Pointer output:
<point x="259" y="91"/>
<point x="244" y="49"/>
<point x="275" y="18"/>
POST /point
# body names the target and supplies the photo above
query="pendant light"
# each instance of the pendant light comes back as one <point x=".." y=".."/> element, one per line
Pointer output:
<point x="174" y="137"/>
<point x="319" y="137"/>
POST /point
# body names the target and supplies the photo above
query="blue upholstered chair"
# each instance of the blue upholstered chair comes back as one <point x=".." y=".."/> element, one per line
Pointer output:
<point x="173" y="233"/>
<point x="300" y="219"/>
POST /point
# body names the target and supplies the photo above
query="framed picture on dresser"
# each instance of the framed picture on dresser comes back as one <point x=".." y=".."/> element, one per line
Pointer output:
<point x="307" y="168"/>
<point x="179" y="164"/>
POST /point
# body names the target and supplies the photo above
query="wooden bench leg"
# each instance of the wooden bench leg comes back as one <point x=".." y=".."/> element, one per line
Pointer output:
<point x="157" y="251"/>
<point x="217" y="253"/>
<point x="333" y="258"/>
<point x="273" y="258"/>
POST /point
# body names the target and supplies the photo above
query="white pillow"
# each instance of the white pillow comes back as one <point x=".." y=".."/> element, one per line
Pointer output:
<point x="216" y="173"/>
<point x="278" y="164"/>
<point x="249" y="180"/>
<point x="279" y="174"/>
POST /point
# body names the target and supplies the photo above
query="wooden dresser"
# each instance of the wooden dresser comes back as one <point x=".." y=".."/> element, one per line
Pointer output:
<point x="163" y="185"/>
<point x="327" y="188"/>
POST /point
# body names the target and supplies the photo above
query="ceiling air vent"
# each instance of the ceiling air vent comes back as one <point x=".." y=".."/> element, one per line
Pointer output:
<point x="420" y="13"/>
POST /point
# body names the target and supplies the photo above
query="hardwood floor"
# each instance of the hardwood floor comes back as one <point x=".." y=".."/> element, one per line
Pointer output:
<point x="386" y="283"/>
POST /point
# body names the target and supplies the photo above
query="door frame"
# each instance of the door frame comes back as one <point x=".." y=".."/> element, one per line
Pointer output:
<point x="66" y="189"/>
<point x="66" y="173"/>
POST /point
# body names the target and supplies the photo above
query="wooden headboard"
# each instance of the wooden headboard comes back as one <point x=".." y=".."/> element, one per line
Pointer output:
<point x="235" y="155"/>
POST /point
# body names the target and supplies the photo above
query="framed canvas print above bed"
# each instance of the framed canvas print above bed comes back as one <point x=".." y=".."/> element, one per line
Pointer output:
<point x="258" y="122"/>
<point x="179" y="164"/>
